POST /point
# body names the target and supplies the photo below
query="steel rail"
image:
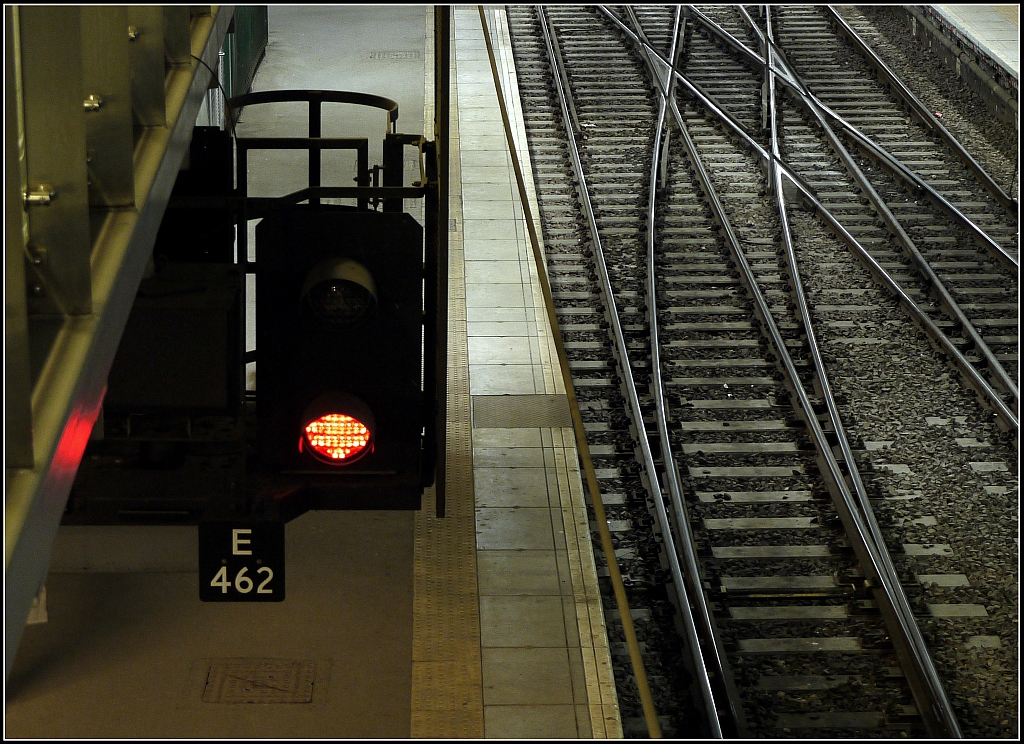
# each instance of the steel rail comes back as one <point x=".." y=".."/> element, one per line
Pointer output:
<point x="618" y="337"/>
<point x="901" y="171"/>
<point x="898" y="169"/>
<point x="917" y="107"/>
<point x="1005" y="418"/>
<point x="853" y="521"/>
<point x="924" y="677"/>
<point x="946" y="300"/>
<point x="649" y="472"/>
<point x="921" y="111"/>
<point x="563" y="75"/>
<point x="871" y="148"/>
<point x="705" y="646"/>
<point x="830" y="466"/>
<point x="876" y="151"/>
<point x="938" y="287"/>
<point x="872" y="553"/>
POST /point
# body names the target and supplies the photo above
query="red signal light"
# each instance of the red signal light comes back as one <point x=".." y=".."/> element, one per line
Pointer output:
<point x="337" y="429"/>
<point x="337" y="438"/>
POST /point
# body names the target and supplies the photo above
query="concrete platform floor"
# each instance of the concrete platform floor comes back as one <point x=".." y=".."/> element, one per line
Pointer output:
<point x="128" y="654"/>
<point x="995" y="29"/>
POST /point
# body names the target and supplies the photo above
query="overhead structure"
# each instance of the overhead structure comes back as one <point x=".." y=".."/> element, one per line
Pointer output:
<point x="100" y="103"/>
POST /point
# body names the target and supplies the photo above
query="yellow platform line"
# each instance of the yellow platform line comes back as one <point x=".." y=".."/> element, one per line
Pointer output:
<point x="447" y="683"/>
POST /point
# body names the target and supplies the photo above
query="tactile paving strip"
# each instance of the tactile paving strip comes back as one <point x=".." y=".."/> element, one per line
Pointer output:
<point x="447" y="682"/>
<point x="521" y="411"/>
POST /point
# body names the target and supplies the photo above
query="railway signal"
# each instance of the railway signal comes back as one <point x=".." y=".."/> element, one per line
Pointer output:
<point x="339" y="324"/>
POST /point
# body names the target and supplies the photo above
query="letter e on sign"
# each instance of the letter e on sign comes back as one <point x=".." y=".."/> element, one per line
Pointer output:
<point x="237" y="540"/>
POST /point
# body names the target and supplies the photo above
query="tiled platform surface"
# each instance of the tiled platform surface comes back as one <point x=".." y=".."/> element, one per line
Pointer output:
<point x="994" y="29"/>
<point x="545" y="663"/>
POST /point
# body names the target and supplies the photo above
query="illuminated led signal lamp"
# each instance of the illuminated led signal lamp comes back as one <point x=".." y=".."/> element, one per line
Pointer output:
<point x="338" y="430"/>
<point x="336" y="437"/>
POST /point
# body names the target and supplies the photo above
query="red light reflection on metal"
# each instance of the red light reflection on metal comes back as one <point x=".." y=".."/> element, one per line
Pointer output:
<point x="76" y="435"/>
<point x="337" y="437"/>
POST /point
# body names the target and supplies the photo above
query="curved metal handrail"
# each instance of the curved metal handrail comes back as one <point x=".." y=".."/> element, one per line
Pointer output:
<point x="317" y="96"/>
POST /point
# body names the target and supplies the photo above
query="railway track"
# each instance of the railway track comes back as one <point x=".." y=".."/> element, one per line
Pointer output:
<point x="797" y="639"/>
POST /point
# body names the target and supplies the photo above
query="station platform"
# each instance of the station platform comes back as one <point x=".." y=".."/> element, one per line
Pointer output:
<point x="991" y="30"/>
<point x="485" y="623"/>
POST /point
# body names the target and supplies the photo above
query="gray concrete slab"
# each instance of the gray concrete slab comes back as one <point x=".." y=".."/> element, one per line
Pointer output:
<point x="995" y="29"/>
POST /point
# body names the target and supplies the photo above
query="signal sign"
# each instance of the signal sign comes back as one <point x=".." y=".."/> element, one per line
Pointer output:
<point x="241" y="561"/>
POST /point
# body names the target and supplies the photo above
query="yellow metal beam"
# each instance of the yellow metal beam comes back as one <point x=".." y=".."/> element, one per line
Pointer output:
<point x="78" y="347"/>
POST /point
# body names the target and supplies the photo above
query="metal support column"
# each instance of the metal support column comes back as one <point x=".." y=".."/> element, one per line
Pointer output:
<point x="442" y="94"/>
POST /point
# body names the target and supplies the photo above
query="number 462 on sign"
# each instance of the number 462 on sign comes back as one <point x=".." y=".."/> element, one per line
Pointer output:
<point x="241" y="561"/>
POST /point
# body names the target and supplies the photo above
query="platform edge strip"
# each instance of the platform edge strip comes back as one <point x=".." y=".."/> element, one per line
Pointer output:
<point x="447" y="685"/>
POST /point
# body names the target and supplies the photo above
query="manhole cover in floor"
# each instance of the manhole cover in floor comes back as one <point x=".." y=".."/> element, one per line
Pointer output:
<point x="259" y="681"/>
